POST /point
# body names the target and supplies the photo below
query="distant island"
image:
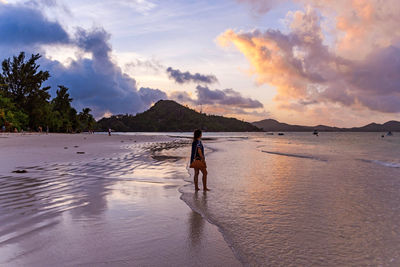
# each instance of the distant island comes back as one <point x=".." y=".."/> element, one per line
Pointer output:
<point x="270" y="125"/>
<point x="169" y="116"/>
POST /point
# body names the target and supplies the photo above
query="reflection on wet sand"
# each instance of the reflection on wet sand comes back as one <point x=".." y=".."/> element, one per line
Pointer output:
<point x="30" y="203"/>
<point x="196" y="223"/>
<point x="115" y="210"/>
<point x="196" y="220"/>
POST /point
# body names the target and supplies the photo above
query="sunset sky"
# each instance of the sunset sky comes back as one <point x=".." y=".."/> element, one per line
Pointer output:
<point x="304" y="62"/>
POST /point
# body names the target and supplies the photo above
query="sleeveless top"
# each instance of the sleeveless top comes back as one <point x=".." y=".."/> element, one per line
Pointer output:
<point x="196" y="144"/>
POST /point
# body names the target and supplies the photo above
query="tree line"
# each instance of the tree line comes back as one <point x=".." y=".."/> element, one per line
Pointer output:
<point x="25" y="103"/>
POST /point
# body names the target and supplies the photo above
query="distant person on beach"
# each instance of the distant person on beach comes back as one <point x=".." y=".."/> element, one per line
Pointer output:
<point x="109" y="131"/>
<point x="197" y="161"/>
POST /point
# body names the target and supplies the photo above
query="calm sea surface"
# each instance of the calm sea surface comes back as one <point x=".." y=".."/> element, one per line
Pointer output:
<point x="303" y="200"/>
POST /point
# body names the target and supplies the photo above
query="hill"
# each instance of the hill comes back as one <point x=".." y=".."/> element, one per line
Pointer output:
<point x="271" y="125"/>
<point x="169" y="116"/>
<point x="393" y="126"/>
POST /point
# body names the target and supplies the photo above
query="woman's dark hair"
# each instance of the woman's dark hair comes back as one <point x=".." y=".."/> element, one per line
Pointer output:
<point x="196" y="134"/>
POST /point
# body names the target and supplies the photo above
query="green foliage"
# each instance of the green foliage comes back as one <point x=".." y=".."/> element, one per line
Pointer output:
<point x="86" y="120"/>
<point x="22" y="83"/>
<point x="169" y="116"/>
<point x="25" y="103"/>
<point x="10" y="116"/>
<point x="64" y="114"/>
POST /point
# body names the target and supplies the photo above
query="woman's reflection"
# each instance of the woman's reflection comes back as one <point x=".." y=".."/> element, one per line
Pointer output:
<point x="196" y="222"/>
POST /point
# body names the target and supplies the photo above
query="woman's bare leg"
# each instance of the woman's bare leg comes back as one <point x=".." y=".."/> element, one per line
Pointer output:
<point x="196" y="179"/>
<point x="204" y="171"/>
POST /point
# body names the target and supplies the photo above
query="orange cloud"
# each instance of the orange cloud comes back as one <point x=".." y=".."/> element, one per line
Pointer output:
<point x="357" y="66"/>
<point x="360" y="26"/>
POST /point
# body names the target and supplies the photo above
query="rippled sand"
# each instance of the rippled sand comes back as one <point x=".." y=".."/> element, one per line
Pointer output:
<point x="115" y="204"/>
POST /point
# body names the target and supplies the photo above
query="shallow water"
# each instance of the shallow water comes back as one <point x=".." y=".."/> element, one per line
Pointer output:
<point x="303" y="200"/>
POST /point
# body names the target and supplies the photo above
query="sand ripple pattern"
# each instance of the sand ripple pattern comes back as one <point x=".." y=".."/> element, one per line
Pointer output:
<point x="33" y="201"/>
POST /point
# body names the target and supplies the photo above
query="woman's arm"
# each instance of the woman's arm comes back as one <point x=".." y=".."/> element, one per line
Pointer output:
<point x="200" y="153"/>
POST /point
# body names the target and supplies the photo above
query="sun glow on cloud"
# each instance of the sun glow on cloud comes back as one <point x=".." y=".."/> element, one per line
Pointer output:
<point x="360" y="69"/>
<point x="65" y="54"/>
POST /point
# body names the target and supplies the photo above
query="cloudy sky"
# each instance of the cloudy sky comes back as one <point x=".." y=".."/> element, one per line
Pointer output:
<point x="300" y="61"/>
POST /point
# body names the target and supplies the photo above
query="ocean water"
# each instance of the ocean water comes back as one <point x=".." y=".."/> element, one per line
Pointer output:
<point x="303" y="200"/>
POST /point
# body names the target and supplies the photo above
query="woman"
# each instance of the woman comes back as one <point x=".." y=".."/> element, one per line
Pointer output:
<point x="197" y="161"/>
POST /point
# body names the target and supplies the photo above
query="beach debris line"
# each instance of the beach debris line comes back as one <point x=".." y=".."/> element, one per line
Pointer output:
<point x="20" y="171"/>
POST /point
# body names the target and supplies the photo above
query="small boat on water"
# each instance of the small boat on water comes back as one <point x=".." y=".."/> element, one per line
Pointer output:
<point x="315" y="132"/>
<point x="269" y="133"/>
<point x="281" y="134"/>
<point x="389" y="133"/>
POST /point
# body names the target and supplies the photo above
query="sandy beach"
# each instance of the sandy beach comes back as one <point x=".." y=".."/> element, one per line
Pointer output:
<point x="93" y="200"/>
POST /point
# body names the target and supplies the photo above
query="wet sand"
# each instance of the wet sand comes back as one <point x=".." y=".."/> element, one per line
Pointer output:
<point x="115" y="204"/>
